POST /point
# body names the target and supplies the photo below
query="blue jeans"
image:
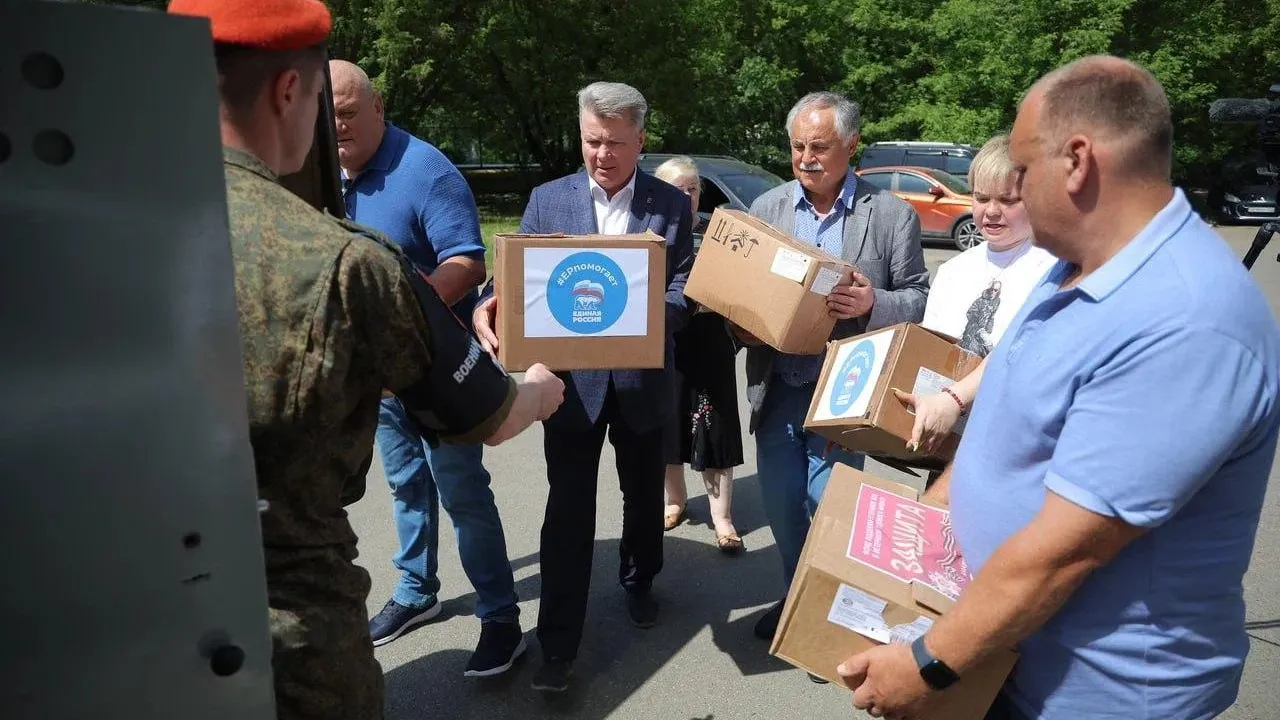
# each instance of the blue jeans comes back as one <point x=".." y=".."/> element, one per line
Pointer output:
<point x="794" y="466"/>
<point x="424" y="478"/>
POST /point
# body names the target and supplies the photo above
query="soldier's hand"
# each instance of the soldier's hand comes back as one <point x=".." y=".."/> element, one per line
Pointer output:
<point x="484" y="320"/>
<point x="550" y="389"/>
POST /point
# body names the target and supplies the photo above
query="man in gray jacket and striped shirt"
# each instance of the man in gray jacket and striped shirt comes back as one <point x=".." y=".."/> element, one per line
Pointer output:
<point x="878" y="233"/>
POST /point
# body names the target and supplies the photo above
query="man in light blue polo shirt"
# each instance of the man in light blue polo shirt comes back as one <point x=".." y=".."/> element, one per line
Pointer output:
<point x="1108" y="487"/>
<point x="409" y="190"/>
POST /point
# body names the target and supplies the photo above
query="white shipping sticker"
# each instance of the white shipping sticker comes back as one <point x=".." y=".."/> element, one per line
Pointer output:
<point x="825" y="281"/>
<point x="791" y="265"/>
<point x="929" y="382"/>
<point x="577" y="292"/>
<point x="860" y="612"/>
<point x="855" y="369"/>
<point x="907" y="634"/>
<point x="863" y="613"/>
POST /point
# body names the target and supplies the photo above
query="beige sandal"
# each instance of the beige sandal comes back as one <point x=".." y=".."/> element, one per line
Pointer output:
<point x="729" y="544"/>
<point x="672" y="518"/>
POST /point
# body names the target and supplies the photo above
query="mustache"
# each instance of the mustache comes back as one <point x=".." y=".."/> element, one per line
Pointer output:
<point x="811" y="167"/>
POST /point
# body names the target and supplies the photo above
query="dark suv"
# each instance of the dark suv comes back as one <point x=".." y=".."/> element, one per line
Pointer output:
<point x="947" y="157"/>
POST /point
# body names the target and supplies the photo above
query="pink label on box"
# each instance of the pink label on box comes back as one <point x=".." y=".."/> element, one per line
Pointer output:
<point x="908" y="540"/>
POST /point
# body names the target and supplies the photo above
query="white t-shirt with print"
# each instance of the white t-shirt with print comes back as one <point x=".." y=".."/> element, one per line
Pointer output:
<point x="962" y="279"/>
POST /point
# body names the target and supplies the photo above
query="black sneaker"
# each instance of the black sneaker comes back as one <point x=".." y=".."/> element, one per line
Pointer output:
<point x="643" y="609"/>
<point x="501" y="644"/>
<point x="395" y="619"/>
<point x="767" y="625"/>
<point x="553" y="676"/>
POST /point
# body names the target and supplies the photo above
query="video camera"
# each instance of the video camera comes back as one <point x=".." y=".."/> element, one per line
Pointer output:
<point x="1266" y="113"/>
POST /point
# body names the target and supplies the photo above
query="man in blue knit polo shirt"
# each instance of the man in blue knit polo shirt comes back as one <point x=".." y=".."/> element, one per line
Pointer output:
<point x="1111" y="476"/>
<point x="406" y="188"/>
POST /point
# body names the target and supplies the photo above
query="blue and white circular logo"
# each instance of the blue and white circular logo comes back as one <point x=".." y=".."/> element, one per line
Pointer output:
<point x="852" y="379"/>
<point x="587" y="293"/>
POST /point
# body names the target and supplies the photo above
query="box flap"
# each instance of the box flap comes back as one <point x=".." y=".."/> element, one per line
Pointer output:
<point x="926" y="596"/>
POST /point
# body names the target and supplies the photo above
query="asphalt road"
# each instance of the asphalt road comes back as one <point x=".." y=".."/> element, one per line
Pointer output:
<point x="701" y="662"/>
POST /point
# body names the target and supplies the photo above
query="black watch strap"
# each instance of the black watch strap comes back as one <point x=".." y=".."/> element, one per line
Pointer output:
<point x="935" y="673"/>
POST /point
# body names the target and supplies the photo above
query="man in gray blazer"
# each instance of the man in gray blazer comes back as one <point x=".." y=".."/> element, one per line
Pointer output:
<point x="877" y="232"/>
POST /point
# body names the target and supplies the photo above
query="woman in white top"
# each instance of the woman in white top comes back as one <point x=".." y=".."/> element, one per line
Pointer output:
<point x="976" y="294"/>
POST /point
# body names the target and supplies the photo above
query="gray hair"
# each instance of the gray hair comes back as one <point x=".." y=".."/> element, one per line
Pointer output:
<point x="848" y="114"/>
<point x="676" y="168"/>
<point x="613" y="100"/>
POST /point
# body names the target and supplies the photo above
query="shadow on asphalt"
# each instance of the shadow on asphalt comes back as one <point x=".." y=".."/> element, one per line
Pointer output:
<point x="698" y="589"/>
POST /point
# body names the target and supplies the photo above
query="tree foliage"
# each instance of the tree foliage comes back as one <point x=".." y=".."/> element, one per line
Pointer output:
<point x="495" y="80"/>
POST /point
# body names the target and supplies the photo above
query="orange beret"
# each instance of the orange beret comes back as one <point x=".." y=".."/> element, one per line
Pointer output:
<point x="264" y="24"/>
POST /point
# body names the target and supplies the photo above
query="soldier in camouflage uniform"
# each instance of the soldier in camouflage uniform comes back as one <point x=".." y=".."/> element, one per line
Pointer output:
<point x="330" y="315"/>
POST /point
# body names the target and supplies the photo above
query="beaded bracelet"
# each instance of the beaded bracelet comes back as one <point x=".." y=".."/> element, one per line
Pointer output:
<point x="956" y="397"/>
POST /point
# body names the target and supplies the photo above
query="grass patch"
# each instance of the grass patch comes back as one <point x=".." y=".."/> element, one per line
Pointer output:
<point x="491" y="225"/>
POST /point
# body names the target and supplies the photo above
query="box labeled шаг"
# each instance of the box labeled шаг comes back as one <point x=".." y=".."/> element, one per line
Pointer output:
<point x="581" y="302"/>
<point x="854" y="405"/>
<point x="766" y="282"/>
<point x="879" y="566"/>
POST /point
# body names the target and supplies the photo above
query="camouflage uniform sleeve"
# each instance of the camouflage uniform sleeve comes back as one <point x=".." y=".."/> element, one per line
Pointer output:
<point x="419" y="349"/>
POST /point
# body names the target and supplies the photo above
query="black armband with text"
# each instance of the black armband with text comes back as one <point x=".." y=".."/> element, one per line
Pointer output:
<point x="465" y="388"/>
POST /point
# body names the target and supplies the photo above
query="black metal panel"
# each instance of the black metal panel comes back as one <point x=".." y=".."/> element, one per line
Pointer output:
<point x="132" y="584"/>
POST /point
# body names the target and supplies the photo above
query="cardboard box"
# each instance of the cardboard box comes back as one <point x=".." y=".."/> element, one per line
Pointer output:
<point x="854" y="405"/>
<point x="581" y="302"/>
<point x="879" y="566"/>
<point x="766" y="282"/>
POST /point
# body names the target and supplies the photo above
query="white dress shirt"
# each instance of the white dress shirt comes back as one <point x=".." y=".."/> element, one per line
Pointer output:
<point x="612" y="214"/>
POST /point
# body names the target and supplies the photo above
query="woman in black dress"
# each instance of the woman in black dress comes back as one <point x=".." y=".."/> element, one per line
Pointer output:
<point x="705" y="433"/>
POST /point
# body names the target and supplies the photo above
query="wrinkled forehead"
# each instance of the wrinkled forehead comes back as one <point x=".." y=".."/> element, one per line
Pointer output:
<point x="595" y="127"/>
<point x="815" y="124"/>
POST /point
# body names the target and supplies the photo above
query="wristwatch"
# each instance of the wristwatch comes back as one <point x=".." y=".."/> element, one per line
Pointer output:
<point x="936" y="674"/>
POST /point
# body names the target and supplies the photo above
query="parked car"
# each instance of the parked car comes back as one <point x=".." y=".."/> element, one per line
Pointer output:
<point x="943" y="201"/>
<point x="1242" y="195"/>
<point x="947" y="157"/>
<point x="727" y="181"/>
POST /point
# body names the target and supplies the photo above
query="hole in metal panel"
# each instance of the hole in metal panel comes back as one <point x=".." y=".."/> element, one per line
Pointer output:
<point x="42" y="70"/>
<point x="6" y="148"/>
<point x="54" y="147"/>
<point x="191" y="540"/>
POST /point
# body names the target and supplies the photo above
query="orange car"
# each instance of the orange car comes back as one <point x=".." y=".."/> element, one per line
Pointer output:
<point x="943" y="201"/>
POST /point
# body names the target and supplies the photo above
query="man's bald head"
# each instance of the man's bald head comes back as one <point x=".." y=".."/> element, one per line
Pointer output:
<point x="1117" y="103"/>
<point x="358" y="114"/>
<point x="347" y="77"/>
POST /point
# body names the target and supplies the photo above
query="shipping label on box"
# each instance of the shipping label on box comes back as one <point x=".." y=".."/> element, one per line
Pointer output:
<point x="863" y="613"/>
<point x="581" y="302"/>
